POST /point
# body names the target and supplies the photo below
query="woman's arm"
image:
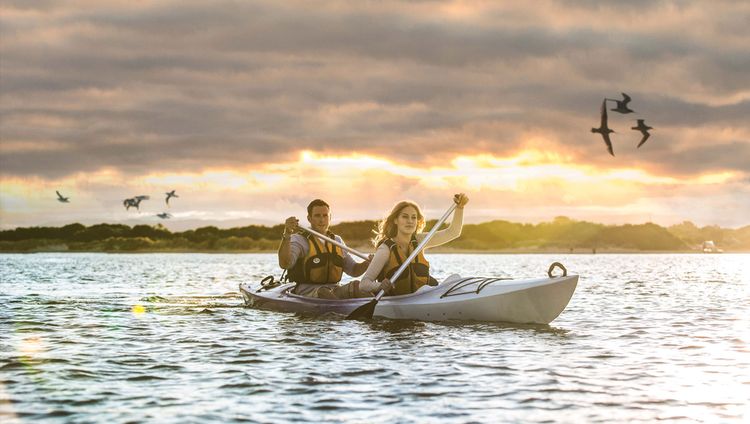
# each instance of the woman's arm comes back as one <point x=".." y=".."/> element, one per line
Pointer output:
<point x="369" y="280"/>
<point x="444" y="236"/>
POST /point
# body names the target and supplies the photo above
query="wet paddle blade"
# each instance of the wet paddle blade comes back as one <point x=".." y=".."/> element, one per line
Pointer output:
<point x="365" y="311"/>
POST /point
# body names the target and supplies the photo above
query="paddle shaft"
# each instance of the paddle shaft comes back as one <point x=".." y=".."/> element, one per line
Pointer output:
<point x="341" y="245"/>
<point x="419" y="248"/>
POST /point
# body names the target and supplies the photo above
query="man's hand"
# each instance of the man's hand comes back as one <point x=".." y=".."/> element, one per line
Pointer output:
<point x="290" y="225"/>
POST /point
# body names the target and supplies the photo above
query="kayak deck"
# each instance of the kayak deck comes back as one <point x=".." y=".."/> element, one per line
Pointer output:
<point x="537" y="300"/>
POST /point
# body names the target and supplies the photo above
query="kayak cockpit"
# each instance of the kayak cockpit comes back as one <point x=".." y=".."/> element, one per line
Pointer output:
<point x="497" y="299"/>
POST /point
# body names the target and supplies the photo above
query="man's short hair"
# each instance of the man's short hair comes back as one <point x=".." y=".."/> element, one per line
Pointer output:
<point x="314" y="203"/>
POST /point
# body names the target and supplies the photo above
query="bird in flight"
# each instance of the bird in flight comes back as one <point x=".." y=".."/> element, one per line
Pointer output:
<point x="604" y="129"/>
<point x="130" y="202"/>
<point x="643" y="128"/>
<point x="134" y="202"/>
<point x="622" y="105"/>
<point x="164" y="215"/>
<point x="62" y="199"/>
<point x="170" y="195"/>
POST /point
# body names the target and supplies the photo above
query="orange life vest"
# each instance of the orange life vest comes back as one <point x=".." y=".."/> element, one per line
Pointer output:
<point x="322" y="265"/>
<point x="416" y="275"/>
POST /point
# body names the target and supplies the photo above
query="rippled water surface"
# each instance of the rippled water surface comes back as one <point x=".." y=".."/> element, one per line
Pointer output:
<point x="166" y="338"/>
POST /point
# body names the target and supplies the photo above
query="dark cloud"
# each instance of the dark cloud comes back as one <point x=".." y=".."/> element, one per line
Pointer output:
<point x="711" y="156"/>
<point x="32" y="4"/>
<point x="175" y="85"/>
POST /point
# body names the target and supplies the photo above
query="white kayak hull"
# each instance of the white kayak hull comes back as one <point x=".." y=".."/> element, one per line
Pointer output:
<point x="528" y="301"/>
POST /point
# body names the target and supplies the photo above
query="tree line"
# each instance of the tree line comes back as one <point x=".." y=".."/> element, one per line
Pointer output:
<point x="561" y="234"/>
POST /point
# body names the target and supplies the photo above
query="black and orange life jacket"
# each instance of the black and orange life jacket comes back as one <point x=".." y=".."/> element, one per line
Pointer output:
<point x="322" y="265"/>
<point x="416" y="275"/>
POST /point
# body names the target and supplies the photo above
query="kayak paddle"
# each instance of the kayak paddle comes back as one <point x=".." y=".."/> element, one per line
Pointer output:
<point x="341" y="245"/>
<point x="365" y="311"/>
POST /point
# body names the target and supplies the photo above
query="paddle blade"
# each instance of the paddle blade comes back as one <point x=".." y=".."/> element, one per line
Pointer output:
<point x="365" y="311"/>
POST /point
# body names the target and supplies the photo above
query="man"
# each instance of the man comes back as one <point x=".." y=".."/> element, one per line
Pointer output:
<point x="315" y="265"/>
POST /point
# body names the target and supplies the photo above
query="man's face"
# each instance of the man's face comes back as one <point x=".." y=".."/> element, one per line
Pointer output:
<point x="320" y="218"/>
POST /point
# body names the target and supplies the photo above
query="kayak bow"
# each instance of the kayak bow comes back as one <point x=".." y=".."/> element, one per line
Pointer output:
<point x="526" y="301"/>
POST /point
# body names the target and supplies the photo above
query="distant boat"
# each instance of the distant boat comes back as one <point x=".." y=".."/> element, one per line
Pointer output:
<point x="710" y="247"/>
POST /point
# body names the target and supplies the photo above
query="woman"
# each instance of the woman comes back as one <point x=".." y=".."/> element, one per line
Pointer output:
<point x="398" y="235"/>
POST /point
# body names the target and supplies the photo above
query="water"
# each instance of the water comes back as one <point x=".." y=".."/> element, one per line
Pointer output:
<point x="165" y="338"/>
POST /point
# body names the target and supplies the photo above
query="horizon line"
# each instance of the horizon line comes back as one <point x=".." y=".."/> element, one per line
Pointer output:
<point x="268" y="225"/>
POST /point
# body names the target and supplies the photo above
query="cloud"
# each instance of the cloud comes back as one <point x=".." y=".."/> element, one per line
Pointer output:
<point x="182" y="86"/>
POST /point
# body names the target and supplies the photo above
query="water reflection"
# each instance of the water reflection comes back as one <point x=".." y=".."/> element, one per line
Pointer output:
<point x="664" y="337"/>
<point x="396" y="327"/>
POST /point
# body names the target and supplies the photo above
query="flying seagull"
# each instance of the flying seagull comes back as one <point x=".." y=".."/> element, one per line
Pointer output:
<point x="604" y="129"/>
<point x="643" y="128"/>
<point x="128" y="203"/>
<point x="169" y="195"/>
<point x="622" y="105"/>
<point x="133" y="202"/>
<point x="164" y="215"/>
<point x="62" y="199"/>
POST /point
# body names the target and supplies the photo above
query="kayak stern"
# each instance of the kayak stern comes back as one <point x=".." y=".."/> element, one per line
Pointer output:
<point x="531" y="301"/>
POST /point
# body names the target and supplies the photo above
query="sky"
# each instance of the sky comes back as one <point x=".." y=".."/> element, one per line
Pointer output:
<point x="250" y="109"/>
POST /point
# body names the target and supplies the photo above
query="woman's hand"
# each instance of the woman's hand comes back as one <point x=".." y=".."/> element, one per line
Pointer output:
<point x="461" y="199"/>
<point x="386" y="286"/>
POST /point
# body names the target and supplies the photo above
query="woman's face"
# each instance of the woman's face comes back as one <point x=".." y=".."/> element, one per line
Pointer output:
<point x="406" y="221"/>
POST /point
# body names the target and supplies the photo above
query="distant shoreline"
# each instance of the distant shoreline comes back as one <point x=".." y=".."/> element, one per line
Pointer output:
<point x="561" y="236"/>
<point x="438" y="251"/>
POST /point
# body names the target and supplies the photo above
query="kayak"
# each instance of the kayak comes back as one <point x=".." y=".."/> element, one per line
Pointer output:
<point x="522" y="301"/>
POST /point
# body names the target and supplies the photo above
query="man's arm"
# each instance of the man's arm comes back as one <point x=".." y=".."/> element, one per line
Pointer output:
<point x="286" y="256"/>
<point x="285" y="253"/>
<point x="352" y="267"/>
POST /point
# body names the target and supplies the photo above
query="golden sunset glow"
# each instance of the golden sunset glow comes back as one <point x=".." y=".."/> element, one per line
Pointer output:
<point x="244" y="193"/>
<point x="475" y="172"/>
<point x="163" y="163"/>
<point x="30" y="347"/>
<point x="251" y="120"/>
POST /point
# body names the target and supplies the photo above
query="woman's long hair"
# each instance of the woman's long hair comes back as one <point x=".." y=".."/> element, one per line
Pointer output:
<point x="387" y="228"/>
